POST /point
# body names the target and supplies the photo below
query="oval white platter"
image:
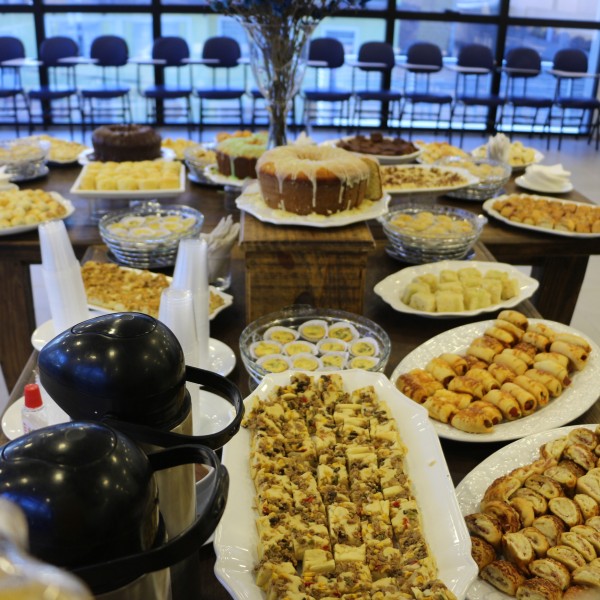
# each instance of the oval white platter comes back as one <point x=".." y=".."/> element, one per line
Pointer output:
<point x="575" y="399"/>
<point x="468" y="179"/>
<point x="471" y="489"/>
<point x="392" y="287"/>
<point x="488" y="207"/>
<point x="30" y="227"/>
<point x="382" y="159"/>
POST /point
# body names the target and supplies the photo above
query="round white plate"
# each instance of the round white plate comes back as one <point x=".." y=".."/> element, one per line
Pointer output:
<point x="521" y="181"/>
<point x="213" y="175"/>
<point x="42" y="172"/>
<point x="252" y="202"/>
<point x="222" y="357"/>
<point x="86" y="156"/>
<point x="210" y="413"/>
<point x="481" y="152"/>
<point x="392" y="287"/>
<point x="488" y="207"/>
<point x="575" y="399"/>
<point x="469" y="179"/>
<point x="471" y="489"/>
<point x="382" y="159"/>
<point x="22" y="228"/>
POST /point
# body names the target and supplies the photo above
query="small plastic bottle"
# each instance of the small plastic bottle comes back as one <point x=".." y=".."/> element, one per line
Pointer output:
<point x="33" y="413"/>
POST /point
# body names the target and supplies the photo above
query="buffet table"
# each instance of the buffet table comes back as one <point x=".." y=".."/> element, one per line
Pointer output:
<point x="559" y="262"/>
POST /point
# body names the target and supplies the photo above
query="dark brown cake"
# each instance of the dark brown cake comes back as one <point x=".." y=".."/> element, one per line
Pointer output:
<point x="377" y="144"/>
<point x="126" y="142"/>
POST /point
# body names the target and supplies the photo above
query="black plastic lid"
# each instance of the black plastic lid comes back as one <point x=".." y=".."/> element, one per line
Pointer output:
<point x="87" y="490"/>
<point x="126" y="365"/>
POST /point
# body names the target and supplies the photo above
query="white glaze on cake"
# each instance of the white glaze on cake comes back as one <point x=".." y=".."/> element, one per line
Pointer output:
<point x="334" y="177"/>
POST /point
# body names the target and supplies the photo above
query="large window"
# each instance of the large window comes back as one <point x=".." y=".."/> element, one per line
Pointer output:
<point x="542" y="24"/>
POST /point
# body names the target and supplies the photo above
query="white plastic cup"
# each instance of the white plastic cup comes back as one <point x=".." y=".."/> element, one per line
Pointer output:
<point x="176" y="311"/>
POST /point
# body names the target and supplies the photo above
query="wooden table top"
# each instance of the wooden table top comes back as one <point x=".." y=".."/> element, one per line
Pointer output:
<point x="406" y="331"/>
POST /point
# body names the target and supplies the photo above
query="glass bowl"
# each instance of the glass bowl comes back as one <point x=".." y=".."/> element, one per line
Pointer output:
<point x="24" y="159"/>
<point x="294" y="317"/>
<point x="148" y="236"/>
<point x="197" y="158"/>
<point x="493" y="176"/>
<point x="452" y="239"/>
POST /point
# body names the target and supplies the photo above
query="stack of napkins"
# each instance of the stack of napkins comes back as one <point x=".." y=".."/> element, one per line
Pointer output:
<point x="549" y="178"/>
<point x="498" y="148"/>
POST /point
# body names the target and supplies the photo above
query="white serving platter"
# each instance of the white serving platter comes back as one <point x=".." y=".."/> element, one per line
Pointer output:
<point x="30" y="227"/>
<point x="392" y="287"/>
<point x="468" y="179"/>
<point x="128" y="194"/>
<point x="574" y="400"/>
<point x="471" y="489"/>
<point x="488" y="207"/>
<point x="236" y="538"/>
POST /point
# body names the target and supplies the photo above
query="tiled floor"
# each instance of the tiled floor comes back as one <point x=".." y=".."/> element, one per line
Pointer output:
<point x="575" y="155"/>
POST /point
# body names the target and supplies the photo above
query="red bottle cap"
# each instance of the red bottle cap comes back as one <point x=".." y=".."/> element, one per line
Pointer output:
<point x="33" y="397"/>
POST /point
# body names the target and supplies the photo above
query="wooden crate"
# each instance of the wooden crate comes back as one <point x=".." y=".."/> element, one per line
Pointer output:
<point x="287" y="265"/>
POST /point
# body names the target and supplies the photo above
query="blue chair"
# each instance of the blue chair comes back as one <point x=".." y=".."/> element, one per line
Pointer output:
<point x="59" y="87"/>
<point x="474" y="69"/>
<point x="110" y="53"/>
<point x="13" y="100"/>
<point x="423" y="60"/>
<point x="575" y="109"/>
<point x="522" y="66"/>
<point x="326" y="55"/>
<point x="221" y="55"/>
<point x="377" y="58"/>
<point x="166" y="99"/>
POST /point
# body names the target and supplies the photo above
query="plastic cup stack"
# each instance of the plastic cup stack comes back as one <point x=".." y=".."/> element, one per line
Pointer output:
<point x="62" y="277"/>
<point x="191" y="273"/>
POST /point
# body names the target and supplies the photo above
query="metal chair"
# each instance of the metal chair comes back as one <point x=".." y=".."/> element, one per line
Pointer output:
<point x="522" y="66"/>
<point x="166" y="99"/>
<point x="423" y="59"/>
<point x="378" y="58"/>
<point x="110" y="53"/>
<point x="221" y="54"/>
<point x="11" y="87"/>
<point x="326" y="55"/>
<point x="474" y="68"/>
<point x="59" y="86"/>
<point x="575" y="109"/>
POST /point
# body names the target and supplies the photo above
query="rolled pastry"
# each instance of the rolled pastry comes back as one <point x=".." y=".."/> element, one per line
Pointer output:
<point x="520" y="353"/>
<point x="441" y="370"/>
<point x="514" y="317"/>
<point x="512" y="362"/>
<point x="506" y="515"/>
<point x="541" y="342"/>
<point x="482" y="552"/>
<point x="553" y="385"/>
<point x="582" y="456"/>
<point x="539" y="542"/>
<point x="501" y="373"/>
<point x="506" y="402"/>
<point x="472" y="420"/>
<point x="517" y="332"/>
<point x="551" y="526"/>
<point x="588" y="506"/>
<point x="539" y="503"/>
<point x="525" y="509"/>
<point x="552" y="570"/>
<point x="555" y="369"/>
<point x="577" y="355"/>
<point x="466" y="385"/>
<point x="542" y="329"/>
<point x="485" y="348"/>
<point x="566" y="510"/>
<point x="503" y="575"/>
<point x="526" y="401"/>
<point x="538" y="588"/>
<point x="546" y="486"/>
<point x="486" y="527"/>
<point x="484" y="377"/>
<point x="439" y="409"/>
<point x="502" y="335"/>
<point x="518" y="550"/>
<point x="579" y="543"/>
<point x="457" y="363"/>
<point x="538" y="390"/>
<point x="590" y="534"/>
<point x="566" y="555"/>
<point x="555" y="356"/>
<point x="571" y="338"/>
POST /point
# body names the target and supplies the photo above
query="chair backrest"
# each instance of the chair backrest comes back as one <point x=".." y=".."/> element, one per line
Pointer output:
<point x="226" y="49"/>
<point x="524" y="58"/>
<point x="424" y="53"/>
<point x="11" y="47"/>
<point x="380" y="52"/>
<point x="109" y="51"/>
<point x="54" y="48"/>
<point x="571" y="59"/>
<point x="476" y="55"/>
<point x="172" y="49"/>
<point x="327" y="50"/>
